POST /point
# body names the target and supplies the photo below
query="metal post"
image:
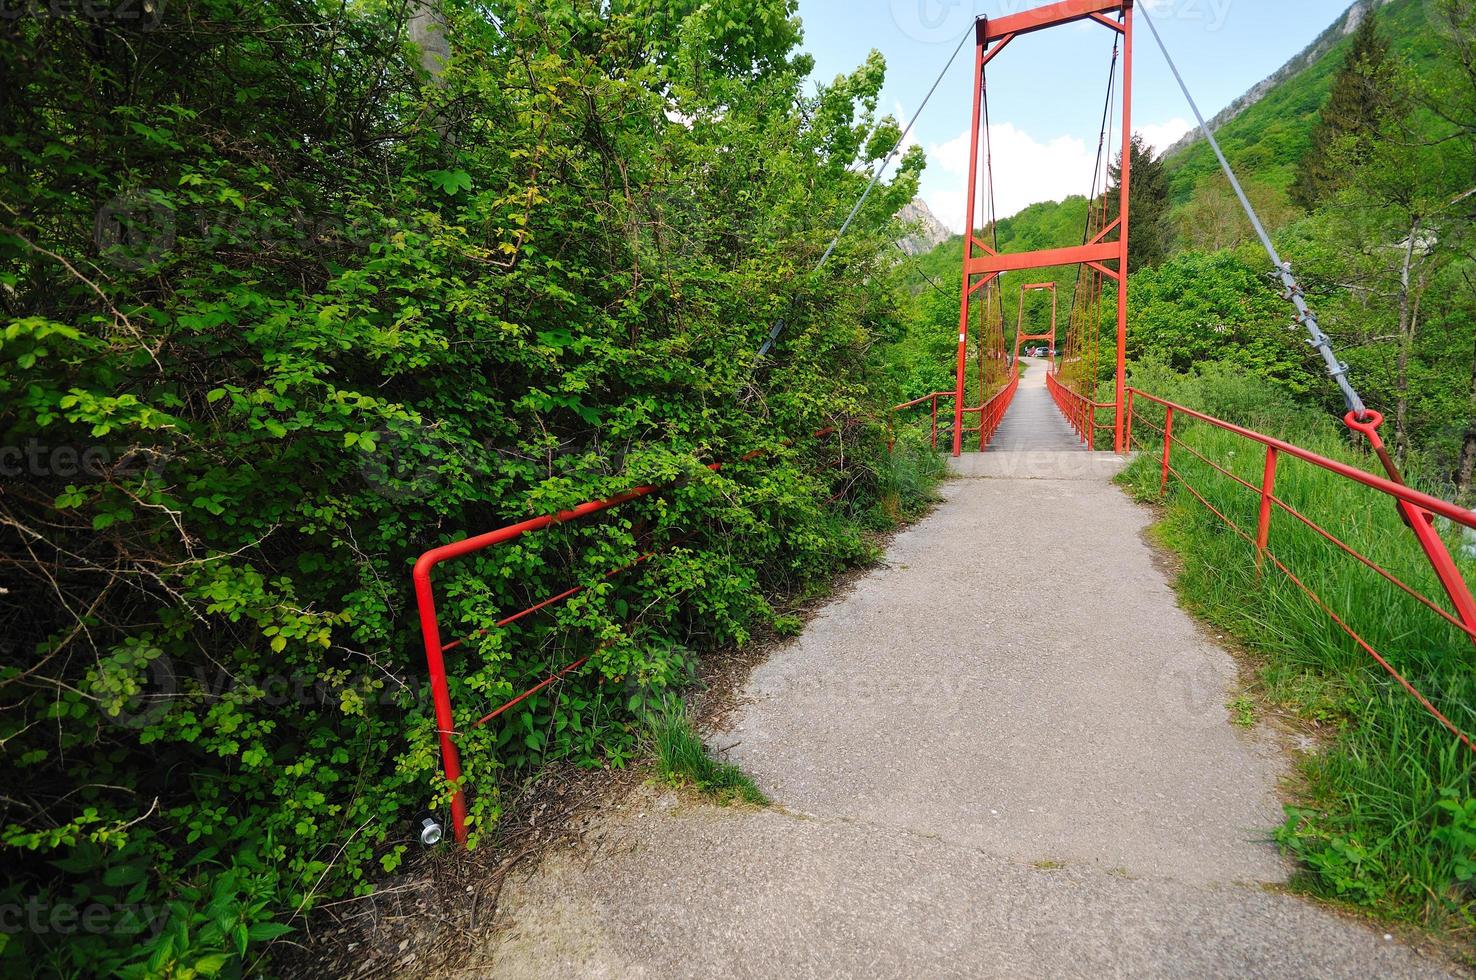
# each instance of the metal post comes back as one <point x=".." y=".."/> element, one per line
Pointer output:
<point x="1127" y="436"/>
<point x="1052" y="366"/>
<point x="1126" y="177"/>
<point x="1168" y="441"/>
<point x="968" y="243"/>
<point x="935" y="422"/>
<point x="1268" y="489"/>
<point x="440" y="693"/>
<point x="1422" y="522"/>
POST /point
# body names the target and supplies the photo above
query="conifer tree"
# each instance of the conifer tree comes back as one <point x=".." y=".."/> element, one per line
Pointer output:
<point x="1350" y="118"/>
<point x="1148" y="234"/>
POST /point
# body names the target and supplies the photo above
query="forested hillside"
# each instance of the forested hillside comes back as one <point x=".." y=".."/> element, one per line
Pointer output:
<point x="290" y="299"/>
<point x="1267" y="140"/>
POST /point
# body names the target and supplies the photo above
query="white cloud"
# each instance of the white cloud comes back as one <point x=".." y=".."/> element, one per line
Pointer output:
<point x="1163" y="135"/>
<point x="1026" y="170"/>
<point x="947" y="206"/>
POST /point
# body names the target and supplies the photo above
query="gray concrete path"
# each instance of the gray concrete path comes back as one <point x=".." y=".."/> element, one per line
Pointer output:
<point x="1004" y="753"/>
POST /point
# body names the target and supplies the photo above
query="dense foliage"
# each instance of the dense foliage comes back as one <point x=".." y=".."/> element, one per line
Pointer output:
<point x="282" y="310"/>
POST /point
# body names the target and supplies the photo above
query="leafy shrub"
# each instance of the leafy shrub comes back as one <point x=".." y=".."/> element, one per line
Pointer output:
<point x="283" y="312"/>
<point x="1232" y="392"/>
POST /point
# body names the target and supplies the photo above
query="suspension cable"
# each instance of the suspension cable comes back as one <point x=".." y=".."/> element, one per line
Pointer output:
<point x="875" y="178"/>
<point x="991" y="344"/>
<point x="989" y="160"/>
<point x="1336" y="369"/>
<point x="1079" y="341"/>
<point x="1101" y="142"/>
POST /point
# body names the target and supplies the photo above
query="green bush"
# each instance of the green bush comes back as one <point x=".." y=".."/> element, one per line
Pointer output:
<point x="306" y="312"/>
<point x="1233" y="393"/>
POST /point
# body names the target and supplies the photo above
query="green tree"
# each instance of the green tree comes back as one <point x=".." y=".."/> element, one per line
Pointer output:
<point x="314" y="308"/>
<point x="1194" y="309"/>
<point x="1398" y="228"/>
<point x="1148" y="227"/>
<point x="1349" y="120"/>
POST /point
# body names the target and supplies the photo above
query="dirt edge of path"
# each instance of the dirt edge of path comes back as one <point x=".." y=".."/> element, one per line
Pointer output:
<point x="434" y="915"/>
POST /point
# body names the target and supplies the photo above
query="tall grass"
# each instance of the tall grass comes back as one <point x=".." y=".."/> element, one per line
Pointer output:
<point x="682" y="760"/>
<point x="1387" y="812"/>
<point x="908" y="477"/>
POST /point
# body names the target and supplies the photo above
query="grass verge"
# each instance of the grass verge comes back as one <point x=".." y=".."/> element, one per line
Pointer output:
<point x="908" y="476"/>
<point x="682" y="761"/>
<point x="1385" y="816"/>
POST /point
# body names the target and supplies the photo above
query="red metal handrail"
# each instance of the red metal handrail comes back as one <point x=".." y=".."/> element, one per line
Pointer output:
<point x="933" y="398"/>
<point x="1079" y="411"/>
<point x="1416" y="508"/>
<point x="991" y="413"/>
<point x="430" y="627"/>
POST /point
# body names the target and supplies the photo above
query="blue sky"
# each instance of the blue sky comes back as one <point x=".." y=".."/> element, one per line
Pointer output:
<point x="1046" y="90"/>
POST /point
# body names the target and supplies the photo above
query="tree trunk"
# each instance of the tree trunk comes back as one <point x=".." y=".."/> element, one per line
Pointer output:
<point x="1407" y="314"/>
<point x="427" y="30"/>
<point x="1466" y="467"/>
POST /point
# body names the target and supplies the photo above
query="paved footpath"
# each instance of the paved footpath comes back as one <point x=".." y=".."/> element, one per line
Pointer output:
<point x="1004" y="753"/>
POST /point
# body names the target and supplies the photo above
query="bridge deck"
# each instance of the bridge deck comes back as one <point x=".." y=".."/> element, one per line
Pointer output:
<point x="1005" y="752"/>
<point x="1033" y="424"/>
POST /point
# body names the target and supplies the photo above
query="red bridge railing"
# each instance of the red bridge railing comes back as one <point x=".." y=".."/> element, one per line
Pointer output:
<point x="1080" y="411"/>
<point x="931" y="400"/>
<point x="430" y="629"/>
<point x="1417" y="509"/>
<point x="991" y="413"/>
